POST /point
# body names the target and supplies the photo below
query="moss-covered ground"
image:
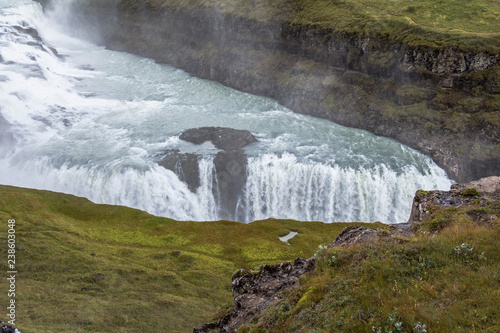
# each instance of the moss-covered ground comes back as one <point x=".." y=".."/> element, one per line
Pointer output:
<point x="84" y="267"/>
<point x="446" y="277"/>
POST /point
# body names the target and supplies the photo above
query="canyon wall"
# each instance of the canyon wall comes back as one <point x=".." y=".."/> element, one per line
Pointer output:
<point x="442" y="101"/>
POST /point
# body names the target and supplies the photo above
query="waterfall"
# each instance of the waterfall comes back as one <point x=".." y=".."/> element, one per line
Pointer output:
<point x="80" y="119"/>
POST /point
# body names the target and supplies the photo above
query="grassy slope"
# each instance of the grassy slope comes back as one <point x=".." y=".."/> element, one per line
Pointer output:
<point x="465" y="25"/>
<point x="159" y="274"/>
<point x="393" y="286"/>
<point x="460" y="24"/>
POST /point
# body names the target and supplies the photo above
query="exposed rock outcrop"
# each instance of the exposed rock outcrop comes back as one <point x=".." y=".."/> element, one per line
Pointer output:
<point x="5" y="328"/>
<point x="230" y="164"/>
<point x="485" y="191"/>
<point x="254" y="292"/>
<point x="354" y="235"/>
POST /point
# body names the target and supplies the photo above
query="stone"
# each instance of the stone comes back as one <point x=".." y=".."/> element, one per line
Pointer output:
<point x="487" y="184"/>
<point x="184" y="165"/>
<point x="8" y="328"/>
<point x="254" y="292"/>
<point x="488" y="191"/>
<point x="230" y="164"/>
<point x="222" y="137"/>
<point x="354" y="235"/>
<point x="231" y="177"/>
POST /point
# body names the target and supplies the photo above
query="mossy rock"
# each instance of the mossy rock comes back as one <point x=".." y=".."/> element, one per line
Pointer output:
<point x="470" y="192"/>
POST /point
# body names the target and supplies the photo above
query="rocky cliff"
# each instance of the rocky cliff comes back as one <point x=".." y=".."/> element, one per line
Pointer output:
<point x="441" y="99"/>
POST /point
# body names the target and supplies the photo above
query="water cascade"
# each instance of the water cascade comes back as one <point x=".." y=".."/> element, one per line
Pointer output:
<point x="80" y="119"/>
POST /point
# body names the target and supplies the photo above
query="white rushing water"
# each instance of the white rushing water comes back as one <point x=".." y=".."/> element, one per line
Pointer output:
<point x="93" y="123"/>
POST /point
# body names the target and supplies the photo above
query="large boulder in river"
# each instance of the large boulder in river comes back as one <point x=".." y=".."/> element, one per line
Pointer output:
<point x="231" y="177"/>
<point x="184" y="165"/>
<point x="222" y="137"/>
<point x="230" y="164"/>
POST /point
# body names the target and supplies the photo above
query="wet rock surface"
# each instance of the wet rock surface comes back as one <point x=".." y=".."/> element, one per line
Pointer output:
<point x="230" y="164"/>
<point x="222" y="137"/>
<point x="231" y="176"/>
<point x="254" y="292"/>
<point x="184" y="165"/>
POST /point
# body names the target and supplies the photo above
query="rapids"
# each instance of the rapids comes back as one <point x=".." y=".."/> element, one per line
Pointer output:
<point x="81" y="119"/>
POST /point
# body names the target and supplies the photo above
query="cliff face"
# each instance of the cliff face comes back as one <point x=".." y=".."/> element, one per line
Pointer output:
<point x="442" y="101"/>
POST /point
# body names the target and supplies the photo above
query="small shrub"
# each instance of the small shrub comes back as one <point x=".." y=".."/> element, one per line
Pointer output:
<point x="238" y="273"/>
<point x="422" y="193"/>
<point x="465" y="252"/>
<point x="439" y="223"/>
<point x="331" y="261"/>
<point x="419" y="328"/>
<point x="394" y="324"/>
<point x="383" y="232"/>
<point x="320" y="252"/>
<point x="470" y="192"/>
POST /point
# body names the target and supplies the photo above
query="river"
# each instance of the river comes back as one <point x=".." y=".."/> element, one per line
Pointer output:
<point x="80" y="119"/>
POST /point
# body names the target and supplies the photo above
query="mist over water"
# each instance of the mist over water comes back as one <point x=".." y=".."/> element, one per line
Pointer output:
<point x="80" y="119"/>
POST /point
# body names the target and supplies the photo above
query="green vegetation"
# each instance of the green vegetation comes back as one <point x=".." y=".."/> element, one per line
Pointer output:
<point x="467" y="25"/>
<point x="84" y="267"/>
<point x="464" y="25"/>
<point x="470" y="192"/>
<point x="439" y="282"/>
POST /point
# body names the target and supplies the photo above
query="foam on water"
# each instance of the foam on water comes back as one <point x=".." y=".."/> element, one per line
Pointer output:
<point x="80" y="119"/>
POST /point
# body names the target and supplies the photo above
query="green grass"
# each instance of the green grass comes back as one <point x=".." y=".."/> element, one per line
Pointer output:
<point x="473" y="24"/>
<point x="421" y="22"/>
<point x="159" y="274"/>
<point x="448" y="280"/>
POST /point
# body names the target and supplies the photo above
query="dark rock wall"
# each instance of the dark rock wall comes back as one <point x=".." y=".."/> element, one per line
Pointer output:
<point x="371" y="83"/>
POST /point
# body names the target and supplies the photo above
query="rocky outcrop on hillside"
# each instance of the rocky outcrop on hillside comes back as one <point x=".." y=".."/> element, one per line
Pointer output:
<point x="442" y="101"/>
<point x="254" y="292"/>
<point x="483" y="192"/>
